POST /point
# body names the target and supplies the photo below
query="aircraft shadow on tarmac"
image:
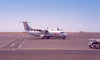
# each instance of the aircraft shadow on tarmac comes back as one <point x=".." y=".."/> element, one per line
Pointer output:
<point x="53" y="38"/>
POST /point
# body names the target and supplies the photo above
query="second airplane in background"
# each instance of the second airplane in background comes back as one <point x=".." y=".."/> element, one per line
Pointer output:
<point x="44" y="33"/>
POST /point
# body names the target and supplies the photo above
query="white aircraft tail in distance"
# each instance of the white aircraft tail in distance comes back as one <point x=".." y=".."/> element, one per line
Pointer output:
<point x="44" y="33"/>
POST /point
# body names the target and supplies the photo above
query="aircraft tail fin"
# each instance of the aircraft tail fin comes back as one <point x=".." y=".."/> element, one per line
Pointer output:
<point x="26" y="26"/>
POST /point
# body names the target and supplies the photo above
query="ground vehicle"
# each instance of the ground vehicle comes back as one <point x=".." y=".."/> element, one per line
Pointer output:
<point x="94" y="44"/>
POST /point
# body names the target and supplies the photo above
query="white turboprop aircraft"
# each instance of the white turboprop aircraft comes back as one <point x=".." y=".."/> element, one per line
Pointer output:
<point x="44" y="33"/>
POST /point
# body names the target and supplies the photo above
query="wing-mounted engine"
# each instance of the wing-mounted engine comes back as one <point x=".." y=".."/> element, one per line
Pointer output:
<point x="58" y="29"/>
<point x="45" y="34"/>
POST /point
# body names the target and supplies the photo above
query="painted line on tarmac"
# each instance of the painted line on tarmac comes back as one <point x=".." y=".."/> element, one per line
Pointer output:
<point x="12" y="44"/>
<point x="21" y="44"/>
<point x="7" y="43"/>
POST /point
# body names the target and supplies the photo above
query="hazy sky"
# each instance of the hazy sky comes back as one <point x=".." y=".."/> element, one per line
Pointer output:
<point x="70" y="15"/>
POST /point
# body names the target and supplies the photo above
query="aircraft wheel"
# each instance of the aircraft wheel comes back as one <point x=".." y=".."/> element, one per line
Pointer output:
<point x="90" y="46"/>
<point x="48" y="37"/>
<point x="42" y="38"/>
<point x="64" y="38"/>
<point x="94" y="46"/>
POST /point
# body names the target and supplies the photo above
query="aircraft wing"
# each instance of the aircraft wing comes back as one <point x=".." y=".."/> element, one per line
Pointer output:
<point x="36" y="30"/>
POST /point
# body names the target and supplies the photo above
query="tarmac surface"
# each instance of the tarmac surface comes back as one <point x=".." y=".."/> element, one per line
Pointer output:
<point x="21" y="46"/>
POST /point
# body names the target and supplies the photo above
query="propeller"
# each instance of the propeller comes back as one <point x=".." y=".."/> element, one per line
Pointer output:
<point x="58" y="29"/>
